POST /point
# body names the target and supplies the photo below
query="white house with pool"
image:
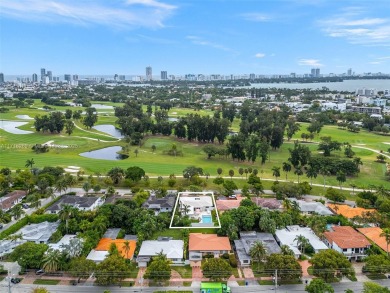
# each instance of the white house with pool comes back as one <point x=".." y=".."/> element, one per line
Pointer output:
<point x="198" y="206"/>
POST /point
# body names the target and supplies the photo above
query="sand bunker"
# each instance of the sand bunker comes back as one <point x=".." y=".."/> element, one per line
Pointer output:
<point x="12" y="127"/>
<point x="52" y="145"/>
<point x="24" y="117"/>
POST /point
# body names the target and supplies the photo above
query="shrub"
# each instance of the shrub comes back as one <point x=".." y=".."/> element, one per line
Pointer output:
<point x="225" y="255"/>
<point x="232" y="261"/>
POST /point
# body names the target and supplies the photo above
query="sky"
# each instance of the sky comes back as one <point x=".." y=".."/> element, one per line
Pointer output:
<point x="194" y="36"/>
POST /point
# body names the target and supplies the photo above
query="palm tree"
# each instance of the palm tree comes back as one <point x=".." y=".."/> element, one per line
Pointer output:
<point x="286" y="168"/>
<point x="382" y="191"/>
<point x="386" y="233"/>
<point x="286" y="250"/>
<point x="51" y="260"/>
<point x="126" y="247"/>
<point x="287" y="204"/>
<point x="65" y="214"/>
<point x="35" y="202"/>
<point x="298" y="171"/>
<point x="276" y="172"/>
<point x="29" y="164"/>
<point x="74" y="248"/>
<point x="60" y="185"/>
<point x="302" y="242"/>
<point x="311" y="173"/>
<point x="353" y="188"/>
<point x="17" y="211"/>
<point x="258" y="252"/>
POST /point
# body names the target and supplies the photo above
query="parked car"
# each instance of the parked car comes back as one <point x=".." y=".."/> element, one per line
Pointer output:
<point x="25" y="206"/>
<point x="15" y="280"/>
<point x="233" y="196"/>
<point x="39" y="272"/>
<point x="1" y="226"/>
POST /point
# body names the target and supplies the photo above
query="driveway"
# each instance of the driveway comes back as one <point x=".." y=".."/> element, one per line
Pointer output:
<point x="197" y="274"/>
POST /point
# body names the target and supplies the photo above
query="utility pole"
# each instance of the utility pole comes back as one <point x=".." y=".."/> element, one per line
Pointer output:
<point x="276" y="280"/>
<point x="9" y="281"/>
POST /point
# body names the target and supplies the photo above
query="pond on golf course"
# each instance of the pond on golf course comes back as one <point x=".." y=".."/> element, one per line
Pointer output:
<point x="108" y="153"/>
<point x="12" y="127"/>
<point x="109" y="129"/>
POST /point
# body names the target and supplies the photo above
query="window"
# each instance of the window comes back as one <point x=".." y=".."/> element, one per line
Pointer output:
<point x="345" y="250"/>
<point x="245" y="261"/>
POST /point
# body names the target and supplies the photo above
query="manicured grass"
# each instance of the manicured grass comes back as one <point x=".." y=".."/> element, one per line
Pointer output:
<point x="46" y="282"/>
<point x="266" y="282"/>
<point x="289" y="282"/>
<point x="376" y="276"/>
<point x="310" y="270"/>
<point x="184" y="271"/>
<point x="2" y="278"/>
<point x="241" y="283"/>
<point x="177" y="234"/>
<point x="127" y="284"/>
<point x="187" y="284"/>
<point x="158" y="163"/>
<point x="235" y="272"/>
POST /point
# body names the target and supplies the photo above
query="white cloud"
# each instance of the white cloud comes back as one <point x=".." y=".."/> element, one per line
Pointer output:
<point x="357" y="28"/>
<point x="310" y="62"/>
<point x="260" y="55"/>
<point x="199" y="41"/>
<point x="258" y="17"/>
<point x="118" y="14"/>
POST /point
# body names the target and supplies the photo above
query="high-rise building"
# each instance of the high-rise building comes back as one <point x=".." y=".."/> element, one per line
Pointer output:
<point x="75" y="77"/>
<point x="317" y="72"/>
<point x="35" y="77"/>
<point x="1" y="77"/>
<point x="50" y="75"/>
<point x="313" y="72"/>
<point x="148" y="73"/>
<point x="164" y="75"/>
<point x="349" y="73"/>
<point x="122" y="77"/>
<point x="67" y="77"/>
<point x="43" y="74"/>
<point x="252" y="76"/>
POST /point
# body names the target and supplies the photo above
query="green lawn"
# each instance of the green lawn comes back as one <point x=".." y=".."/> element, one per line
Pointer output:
<point x="16" y="149"/>
<point x="46" y="282"/>
<point x="184" y="271"/>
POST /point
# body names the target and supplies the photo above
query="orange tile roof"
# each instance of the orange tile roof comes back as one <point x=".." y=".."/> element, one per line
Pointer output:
<point x="349" y="212"/>
<point x="208" y="242"/>
<point x="105" y="243"/>
<point x="373" y="233"/>
<point x="228" y="204"/>
<point x="346" y="237"/>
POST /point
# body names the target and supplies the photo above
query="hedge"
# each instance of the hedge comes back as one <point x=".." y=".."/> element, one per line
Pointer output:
<point x="33" y="219"/>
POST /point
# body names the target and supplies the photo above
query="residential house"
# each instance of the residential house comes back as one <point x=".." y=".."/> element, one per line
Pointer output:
<point x="248" y="239"/>
<point x="101" y="251"/>
<point x="160" y="205"/>
<point x="206" y="244"/>
<point x="289" y="235"/>
<point x="11" y="199"/>
<point x="65" y="240"/>
<point x="7" y="246"/>
<point x="347" y="241"/>
<point x="267" y="203"/>
<point x="196" y="205"/>
<point x="173" y="249"/>
<point x="38" y="233"/>
<point x="228" y="204"/>
<point x="312" y="207"/>
<point x="348" y="211"/>
<point x="83" y="203"/>
<point x="374" y="235"/>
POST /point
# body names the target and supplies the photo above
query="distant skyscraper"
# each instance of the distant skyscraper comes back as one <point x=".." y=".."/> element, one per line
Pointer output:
<point x="148" y="73"/>
<point x="67" y="77"/>
<point x="313" y="72"/>
<point x="50" y="75"/>
<point x="35" y="77"/>
<point x="317" y="72"/>
<point x="43" y="74"/>
<point x="122" y="77"/>
<point x="75" y="77"/>
<point x="164" y="75"/>
<point x="252" y="76"/>
<point x="349" y="72"/>
<point x="1" y="77"/>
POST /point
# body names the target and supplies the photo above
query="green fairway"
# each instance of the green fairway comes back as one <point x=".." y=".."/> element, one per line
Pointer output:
<point x="16" y="149"/>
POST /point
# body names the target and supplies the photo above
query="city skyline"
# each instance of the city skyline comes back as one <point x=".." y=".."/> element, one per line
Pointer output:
<point x="182" y="37"/>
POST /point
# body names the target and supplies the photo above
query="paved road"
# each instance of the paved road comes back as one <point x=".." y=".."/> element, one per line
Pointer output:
<point x="339" y="288"/>
<point x="28" y="211"/>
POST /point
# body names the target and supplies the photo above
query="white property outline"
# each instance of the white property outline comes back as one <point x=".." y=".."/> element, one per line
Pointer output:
<point x="201" y="193"/>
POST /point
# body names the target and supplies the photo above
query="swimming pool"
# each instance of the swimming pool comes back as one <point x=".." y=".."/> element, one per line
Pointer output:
<point x="206" y="219"/>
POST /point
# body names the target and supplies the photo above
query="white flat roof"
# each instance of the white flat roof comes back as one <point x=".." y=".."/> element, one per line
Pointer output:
<point x="197" y="201"/>
<point x="64" y="241"/>
<point x="286" y="236"/>
<point x="97" y="256"/>
<point x="172" y="248"/>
